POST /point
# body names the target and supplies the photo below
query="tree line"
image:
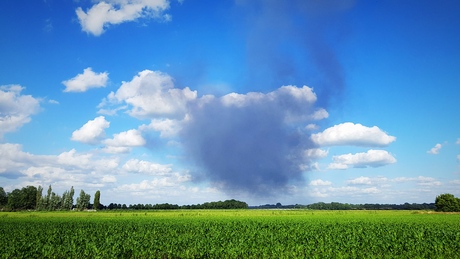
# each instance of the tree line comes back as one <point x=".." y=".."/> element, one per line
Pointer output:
<point x="32" y="198"/>
<point x="443" y="203"/>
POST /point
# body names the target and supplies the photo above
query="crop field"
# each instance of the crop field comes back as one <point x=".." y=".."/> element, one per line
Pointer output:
<point x="230" y="234"/>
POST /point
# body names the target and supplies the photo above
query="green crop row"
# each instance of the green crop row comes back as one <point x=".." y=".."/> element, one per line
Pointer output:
<point x="230" y="235"/>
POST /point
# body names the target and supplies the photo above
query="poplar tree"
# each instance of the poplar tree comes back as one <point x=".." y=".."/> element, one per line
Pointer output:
<point x="83" y="200"/>
<point x="39" y="205"/>
<point x="97" y="198"/>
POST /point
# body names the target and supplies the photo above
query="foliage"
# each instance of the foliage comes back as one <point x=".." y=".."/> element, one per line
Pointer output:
<point x="227" y="204"/>
<point x="24" y="199"/>
<point x="230" y="234"/>
<point x="367" y="206"/>
<point x="97" y="198"/>
<point x="447" y="203"/>
<point x="83" y="200"/>
<point x="3" y="198"/>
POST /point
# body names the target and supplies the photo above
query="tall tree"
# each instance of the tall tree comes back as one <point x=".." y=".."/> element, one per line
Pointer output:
<point x="48" y="198"/>
<point x="97" y="199"/>
<point x="3" y="198"/>
<point x="70" y="198"/>
<point x="83" y="200"/>
<point x="39" y="204"/>
<point x="15" y="200"/>
<point x="29" y="197"/>
<point x="64" y="199"/>
<point x="55" y="202"/>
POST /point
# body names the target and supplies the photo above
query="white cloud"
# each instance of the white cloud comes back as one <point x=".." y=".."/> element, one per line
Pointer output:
<point x="365" y="180"/>
<point x="311" y="126"/>
<point x="150" y="94"/>
<point x="315" y="153"/>
<point x="158" y="185"/>
<point x="352" y="134"/>
<point x="108" y="12"/>
<point x="15" y="109"/>
<point x="72" y="158"/>
<point x="319" y="114"/>
<point x="92" y="132"/>
<point x="85" y="81"/>
<point x="354" y="191"/>
<point x="67" y="169"/>
<point x="420" y="180"/>
<point x="458" y="141"/>
<point x="435" y="150"/>
<point x="146" y="167"/>
<point x="458" y="157"/>
<point x="126" y="139"/>
<point x="372" y="158"/>
<point x="319" y="182"/>
<point x="362" y="180"/>
<point x="294" y="102"/>
<point x="167" y="127"/>
<point x="116" y="150"/>
<point x="109" y="179"/>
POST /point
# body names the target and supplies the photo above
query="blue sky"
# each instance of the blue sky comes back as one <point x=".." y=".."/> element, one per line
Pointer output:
<point x="153" y="101"/>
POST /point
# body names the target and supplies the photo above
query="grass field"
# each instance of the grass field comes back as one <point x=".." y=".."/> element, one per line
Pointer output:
<point x="230" y="234"/>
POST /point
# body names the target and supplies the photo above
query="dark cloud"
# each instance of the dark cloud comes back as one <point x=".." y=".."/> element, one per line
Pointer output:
<point x="250" y="143"/>
<point x="12" y="175"/>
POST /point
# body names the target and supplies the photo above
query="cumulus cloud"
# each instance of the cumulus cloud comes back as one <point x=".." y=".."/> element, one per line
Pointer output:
<point x="420" y="180"/>
<point x="319" y="182"/>
<point x="124" y="141"/>
<point x="167" y="127"/>
<point x="435" y="150"/>
<point x="68" y="168"/>
<point x="15" y="108"/>
<point x="362" y="180"/>
<point x="150" y="94"/>
<point x="372" y="158"/>
<point x="146" y="167"/>
<point x="85" y="81"/>
<point x="163" y="185"/>
<point x="108" y="12"/>
<point x="458" y="141"/>
<point x="352" y="134"/>
<point x="92" y="132"/>
<point x="316" y="153"/>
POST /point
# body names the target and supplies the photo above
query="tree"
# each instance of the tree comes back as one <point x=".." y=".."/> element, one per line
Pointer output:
<point x="3" y="198"/>
<point x="47" y="203"/>
<point x="39" y="204"/>
<point x="447" y="203"/>
<point x="83" y="200"/>
<point x="67" y="199"/>
<point x="29" y="197"/>
<point x="97" y="197"/>
<point x="15" y="200"/>
<point x="55" y="202"/>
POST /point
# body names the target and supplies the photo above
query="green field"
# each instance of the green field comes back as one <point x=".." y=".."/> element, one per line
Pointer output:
<point x="230" y="234"/>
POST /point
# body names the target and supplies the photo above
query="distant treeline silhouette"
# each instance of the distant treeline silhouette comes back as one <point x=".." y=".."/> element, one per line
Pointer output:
<point x="347" y="206"/>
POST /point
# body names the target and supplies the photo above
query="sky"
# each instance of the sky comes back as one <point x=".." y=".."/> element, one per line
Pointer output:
<point x="264" y="101"/>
